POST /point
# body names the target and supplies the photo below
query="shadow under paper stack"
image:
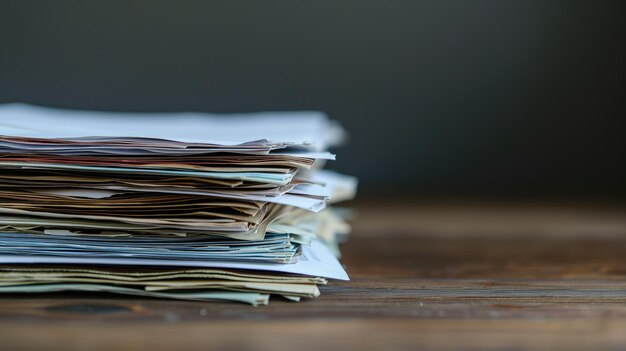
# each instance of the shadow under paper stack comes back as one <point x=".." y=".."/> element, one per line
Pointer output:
<point x="175" y="205"/>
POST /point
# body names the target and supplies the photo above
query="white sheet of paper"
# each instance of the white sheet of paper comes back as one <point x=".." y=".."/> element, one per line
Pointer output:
<point x="302" y="128"/>
<point x="316" y="260"/>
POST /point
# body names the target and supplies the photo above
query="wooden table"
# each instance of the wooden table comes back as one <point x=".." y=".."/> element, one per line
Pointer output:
<point x="432" y="275"/>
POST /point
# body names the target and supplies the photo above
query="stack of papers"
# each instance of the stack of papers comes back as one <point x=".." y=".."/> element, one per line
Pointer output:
<point x="175" y="205"/>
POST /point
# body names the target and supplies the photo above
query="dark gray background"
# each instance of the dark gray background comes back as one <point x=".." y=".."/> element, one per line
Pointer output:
<point x="442" y="98"/>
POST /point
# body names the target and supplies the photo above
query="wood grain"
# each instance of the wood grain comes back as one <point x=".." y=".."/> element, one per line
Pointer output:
<point x="424" y="276"/>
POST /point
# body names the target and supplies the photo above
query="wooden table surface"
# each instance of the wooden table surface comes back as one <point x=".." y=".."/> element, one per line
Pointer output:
<point x="432" y="275"/>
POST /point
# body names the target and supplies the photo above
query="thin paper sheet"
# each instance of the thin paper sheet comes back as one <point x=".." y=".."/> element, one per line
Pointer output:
<point x="300" y="128"/>
<point x="316" y="260"/>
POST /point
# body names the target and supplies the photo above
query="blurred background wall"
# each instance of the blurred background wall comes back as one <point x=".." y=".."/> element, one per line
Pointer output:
<point x="442" y="98"/>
